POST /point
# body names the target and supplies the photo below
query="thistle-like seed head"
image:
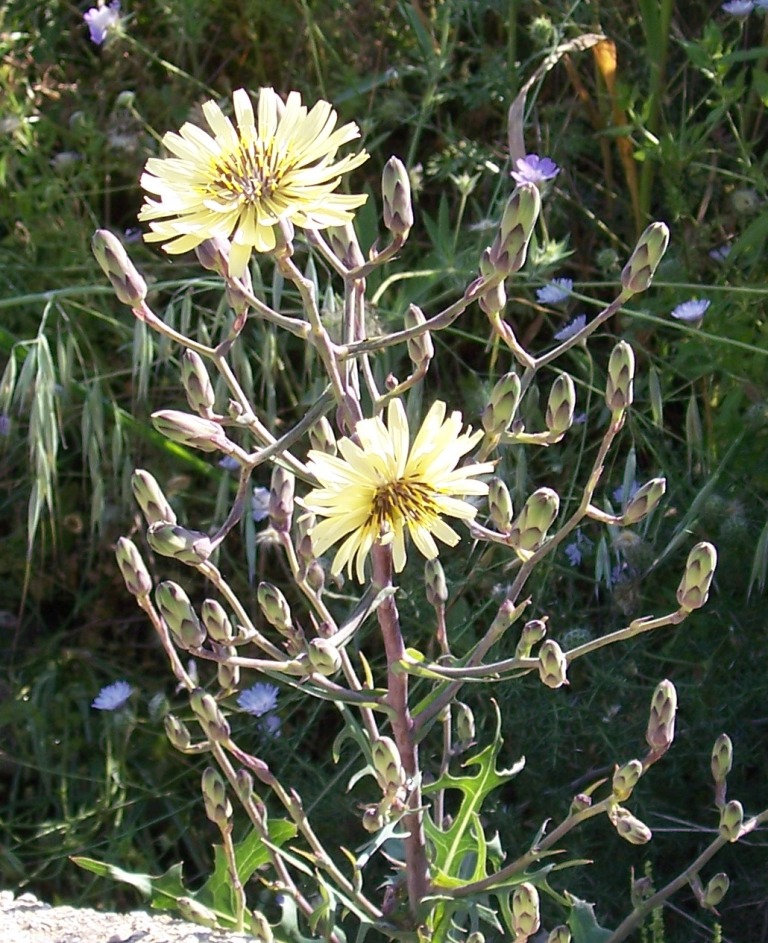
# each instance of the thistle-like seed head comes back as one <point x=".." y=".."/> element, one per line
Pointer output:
<point x="693" y="590"/>
<point x="641" y="267"/>
<point x="645" y="500"/>
<point x="130" y="288"/>
<point x="132" y="568"/>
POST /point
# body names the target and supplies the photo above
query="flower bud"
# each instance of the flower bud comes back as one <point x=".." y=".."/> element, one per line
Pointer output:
<point x="323" y="656"/>
<point x="494" y="297"/>
<point x="500" y="505"/>
<point x="387" y="764"/>
<point x="722" y="758"/>
<point x="303" y="542"/>
<point x="465" y="723"/>
<point x="420" y="349"/>
<point x="475" y="937"/>
<point x="552" y="664"/>
<point x="533" y="632"/>
<point x="630" y="828"/>
<point x="274" y="606"/>
<point x="186" y="546"/>
<point x="731" y="820"/>
<point x="150" y="498"/>
<point x="281" y="499"/>
<point x="129" y="286"/>
<point x="218" y="808"/>
<point x="179" y="615"/>
<point x="228" y="676"/>
<point x="500" y="411"/>
<point x="213" y="255"/>
<point x="716" y="889"/>
<point x="345" y="245"/>
<point x="641" y="267"/>
<point x="580" y="803"/>
<point x="693" y="590"/>
<point x="196" y="382"/>
<point x="177" y="732"/>
<point x="207" y="711"/>
<point x="625" y="779"/>
<point x="132" y="568"/>
<point x="525" y="911"/>
<point x="661" y="723"/>
<point x="561" y="405"/>
<point x="621" y="374"/>
<point x="244" y="785"/>
<point x="560" y="934"/>
<point x="645" y="500"/>
<point x="216" y="622"/>
<point x="529" y="530"/>
<point x="510" y="247"/>
<point x="189" y="430"/>
<point x="194" y="912"/>
<point x="434" y="583"/>
<point x="321" y="437"/>
<point x="396" y="197"/>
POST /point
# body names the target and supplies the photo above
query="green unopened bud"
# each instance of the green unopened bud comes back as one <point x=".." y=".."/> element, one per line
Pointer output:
<point x="192" y="431"/>
<point x="494" y="297"/>
<point x="645" y="500"/>
<point x="132" y="568"/>
<point x="731" y="820"/>
<point x="373" y="819"/>
<point x="510" y="247"/>
<point x="529" y="530"/>
<point x="194" y="912"/>
<point x="275" y="606"/>
<point x="641" y="267"/>
<point x="186" y="546"/>
<point x="216" y="622"/>
<point x="177" y="732"/>
<point x="281" y="499"/>
<point x="500" y="411"/>
<point x="197" y="383"/>
<point x="533" y="632"/>
<point x="180" y="616"/>
<point x="722" y="758"/>
<point x="129" y="286"/>
<point x="260" y="928"/>
<point x="631" y="829"/>
<point x="465" y="723"/>
<point x="420" y="349"/>
<point x="560" y="934"/>
<point x="218" y="808"/>
<point x="321" y="437"/>
<point x="396" y="197"/>
<point x="619" y="388"/>
<point x="244" y="785"/>
<point x="552" y="664"/>
<point x="693" y="590"/>
<point x="661" y="722"/>
<point x="716" y="889"/>
<point x="580" y="803"/>
<point x="500" y="505"/>
<point x="387" y="764"/>
<point x="323" y="656"/>
<point x="150" y="498"/>
<point x="213" y="722"/>
<point x="434" y="583"/>
<point x="228" y="676"/>
<point x="561" y="405"/>
<point x="526" y="918"/>
<point x="625" y="779"/>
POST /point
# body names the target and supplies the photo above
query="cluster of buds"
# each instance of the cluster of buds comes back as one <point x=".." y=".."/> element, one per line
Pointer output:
<point x="553" y="664"/>
<point x="529" y="530"/>
<point x="638" y="273"/>
<point x="693" y="590"/>
<point x="180" y="616"/>
<point x="129" y="287"/>
<point x="396" y="198"/>
<point x="526" y="916"/>
<point x="560" y="405"/>
<point x="132" y="568"/>
<point x="502" y="406"/>
<point x="619" y="388"/>
<point x="629" y="827"/>
<point x="661" y="722"/>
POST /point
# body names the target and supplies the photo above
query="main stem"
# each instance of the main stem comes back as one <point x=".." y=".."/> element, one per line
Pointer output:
<point x="416" y="867"/>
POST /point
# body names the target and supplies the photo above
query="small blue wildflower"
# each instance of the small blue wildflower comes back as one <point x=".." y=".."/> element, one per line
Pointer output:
<point x="574" y="554"/>
<point x="5" y="425"/>
<point x="721" y="253"/>
<point x="271" y="726"/>
<point x="761" y="5"/>
<point x="739" y="8"/>
<point x="620" y="498"/>
<point x="112" y="697"/>
<point x="229" y="463"/>
<point x="102" y="20"/>
<point x="260" y="504"/>
<point x="534" y="169"/>
<point x="572" y="328"/>
<point x="691" y="311"/>
<point x="555" y="291"/>
<point x="259" y="699"/>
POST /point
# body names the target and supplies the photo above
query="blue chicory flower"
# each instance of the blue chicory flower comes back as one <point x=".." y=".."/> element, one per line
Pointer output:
<point x="534" y="169"/>
<point x="572" y="328"/>
<point x="259" y="699"/>
<point x="101" y="20"/>
<point x="739" y="8"/>
<point x="555" y="291"/>
<point x="691" y="311"/>
<point x="112" y="697"/>
<point x="260" y="504"/>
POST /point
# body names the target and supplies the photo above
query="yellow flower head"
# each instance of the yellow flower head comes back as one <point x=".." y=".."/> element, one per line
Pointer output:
<point x="382" y="485"/>
<point x="239" y="183"/>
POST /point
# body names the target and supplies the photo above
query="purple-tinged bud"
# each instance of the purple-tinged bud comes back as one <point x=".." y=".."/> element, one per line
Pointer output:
<point x="661" y="722"/>
<point x="731" y="820"/>
<point x="345" y="245"/>
<point x="387" y="765"/>
<point x="189" y="430"/>
<point x="631" y="829"/>
<point x="533" y="632"/>
<point x="177" y="732"/>
<point x="213" y="255"/>
<point x="526" y="918"/>
<point x="180" y="616"/>
<point x="129" y="286"/>
<point x="435" y="584"/>
<point x="500" y="505"/>
<point x="304" y="527"/>
<point x="625" y="779"/>
<point x="500" y="411"/>
<point x="715" y="891"/>
<point x="645" y="500"/>
<point x="281" y="499"/>
<point x="641" y="267"/>
<point x="561" y="405"/>
<point x="213" y="722"/>
<point x="132" y="568"/>
<point x="396" y="197"/>
<point x="693" y="590"/>
<point x="150" y="498"/>
<point x="529" y="530"/>
<point x="321" y="437"/>
<point x="510" y="248"/>
<point x="420" y="349"/>
<point x="275" y="607"/>
<point x="187" y="546"/>
<point x="619" y="388"/>
<point x="197" y="383"/>
<point x="218" y="808"/>
<point x="580" y="803"/>
<point x="324" y="658"/>
<point x="553" y="664"/>
<point x="216" y="622"/>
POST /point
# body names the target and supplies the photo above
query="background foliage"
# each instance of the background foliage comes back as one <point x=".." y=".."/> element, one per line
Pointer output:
<point x="671" y="126"/>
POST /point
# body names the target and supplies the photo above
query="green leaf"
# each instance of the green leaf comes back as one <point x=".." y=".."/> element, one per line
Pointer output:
<point x="163" y="890"/>
<point x="583" y="923"/>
